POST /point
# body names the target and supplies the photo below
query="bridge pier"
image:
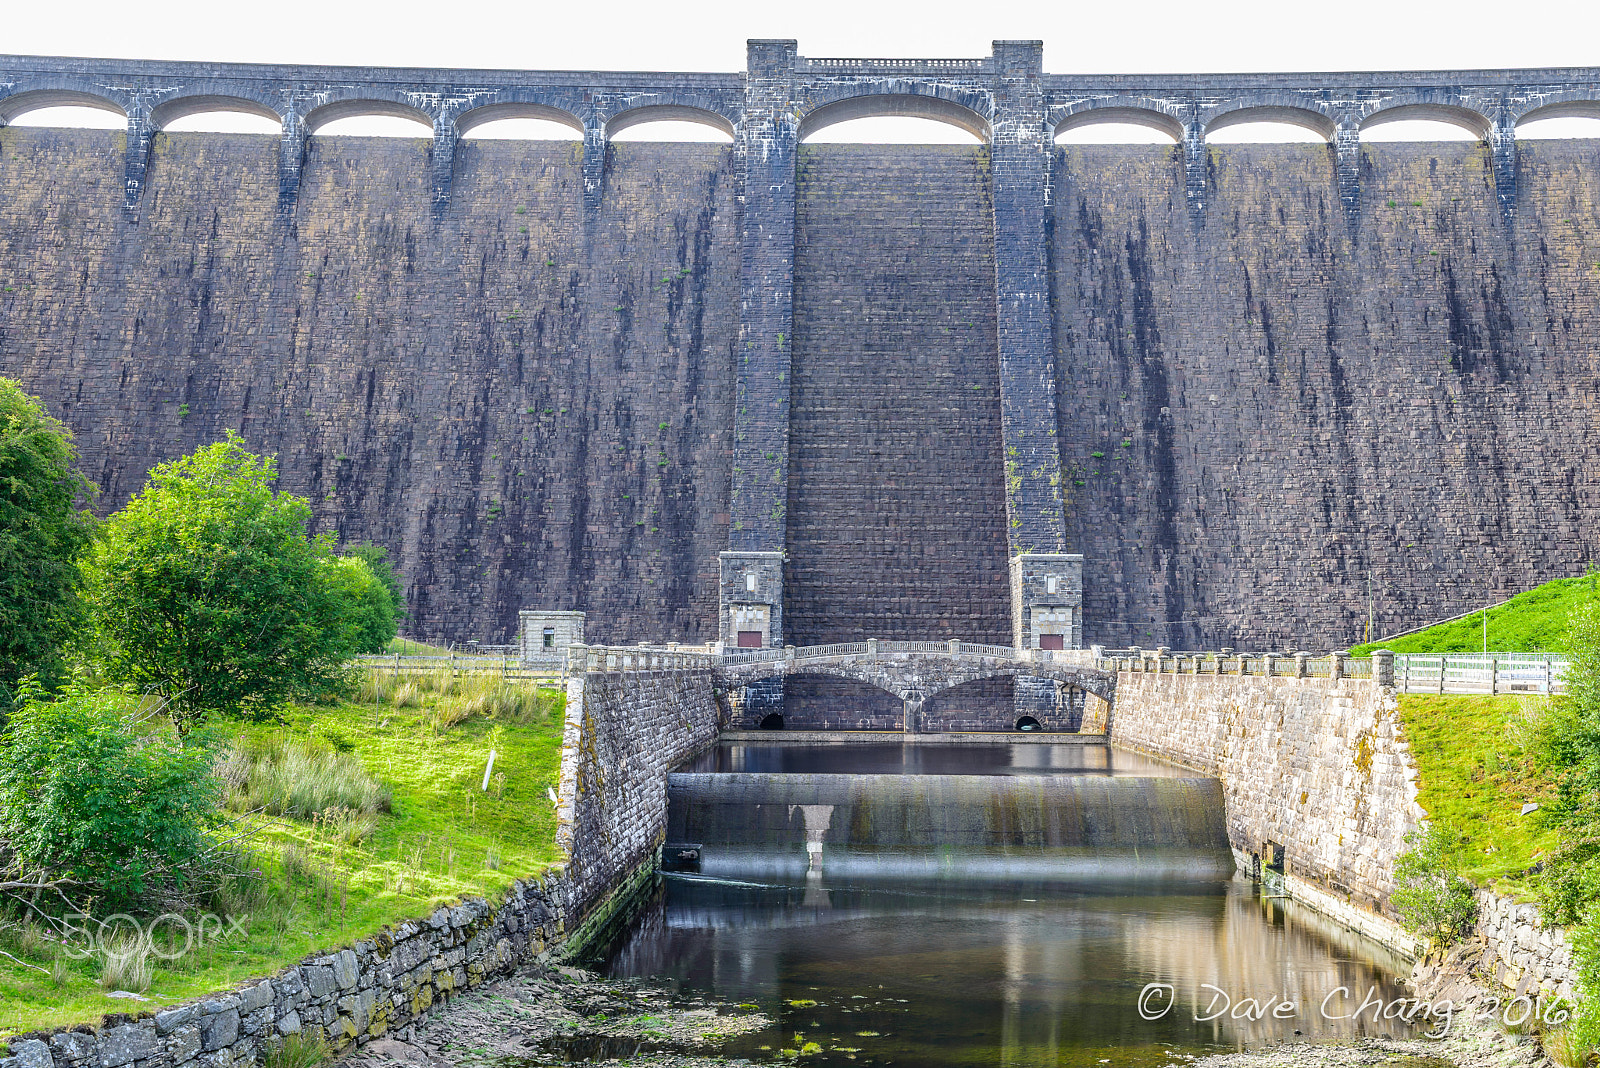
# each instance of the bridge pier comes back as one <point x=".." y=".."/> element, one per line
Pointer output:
<point x="911" y="704"/>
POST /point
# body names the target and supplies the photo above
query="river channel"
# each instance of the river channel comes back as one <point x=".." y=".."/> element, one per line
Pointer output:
<point x="1028" y="903"/>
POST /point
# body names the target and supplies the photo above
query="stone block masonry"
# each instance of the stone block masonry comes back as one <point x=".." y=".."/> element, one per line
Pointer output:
<point x="529" y="405"/>
<point x="625" y="730"/>
<point x="1315" y="772"/>
<point x="519" y="365"/>
<point x="1321" y="786"/>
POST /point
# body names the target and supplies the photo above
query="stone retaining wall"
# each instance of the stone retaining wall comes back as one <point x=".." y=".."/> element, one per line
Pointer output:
<point x="624" y="731"/>
<point x="1315" y="767"/>
<point x="1519" y="951"/>
<point x="1321" y="768"/>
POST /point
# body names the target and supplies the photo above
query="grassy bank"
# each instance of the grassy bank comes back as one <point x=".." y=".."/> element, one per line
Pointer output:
<point x="1477" y="767"/>
<point x="374" y="812"/>
<point x="1531" y="622"/>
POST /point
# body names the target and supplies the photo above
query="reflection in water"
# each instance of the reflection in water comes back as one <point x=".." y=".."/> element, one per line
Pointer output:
<point x="1026" y="975"/>
<point x="927" y="758"/>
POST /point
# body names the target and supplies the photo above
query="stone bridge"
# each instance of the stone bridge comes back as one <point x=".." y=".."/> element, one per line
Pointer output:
<point x="911" y="671"/>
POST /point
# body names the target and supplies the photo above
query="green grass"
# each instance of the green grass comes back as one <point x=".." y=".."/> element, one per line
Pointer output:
<point x="1531" y="622"/>
<point x="1476" y="768"/>
<point x="408" y="647"/>
<point x="323" y="885"/>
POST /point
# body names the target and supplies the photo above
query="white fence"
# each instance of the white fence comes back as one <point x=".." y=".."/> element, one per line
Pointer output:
<point x="1491" y="673"/>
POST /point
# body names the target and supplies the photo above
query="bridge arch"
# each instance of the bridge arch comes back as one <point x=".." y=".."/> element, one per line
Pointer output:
<point x="473" y="118"/>
<point x="1295" y="115"/>
<point x="357" y="106"/>
<point x="647" y="113"/>
<point x="1129" y="111"/>
<point x="1474" y="122"/>
<point x="900" y="105"/>
<point x="1585" y="108"/>
<point x="182" y="107"/>
<point x="19" y="103"/>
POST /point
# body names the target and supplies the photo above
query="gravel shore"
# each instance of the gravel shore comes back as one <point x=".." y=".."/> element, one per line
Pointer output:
<point x="557" y="1016"/>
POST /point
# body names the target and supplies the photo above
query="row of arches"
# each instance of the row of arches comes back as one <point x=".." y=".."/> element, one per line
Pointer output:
<point x="867" y="119"/>
<point x="364" y="117"/>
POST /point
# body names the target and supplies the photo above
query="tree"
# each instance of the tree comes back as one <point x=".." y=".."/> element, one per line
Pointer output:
<point x="43" y="535"/>
<point x="377" y="558"/>
<point x="207" y="590"/>
<point x="86" y="799"/>
<point x="370" y="606"/>
<point x="1433" y="901"/>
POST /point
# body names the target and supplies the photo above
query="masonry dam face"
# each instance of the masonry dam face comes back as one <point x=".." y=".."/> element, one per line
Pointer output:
<point x="1239" y="380"/>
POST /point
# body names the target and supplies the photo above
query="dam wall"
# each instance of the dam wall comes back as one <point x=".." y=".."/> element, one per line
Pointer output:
<point x="529" y="396"/>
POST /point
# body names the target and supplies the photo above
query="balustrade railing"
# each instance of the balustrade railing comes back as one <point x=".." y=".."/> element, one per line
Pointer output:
<point x="1490" y="673"/>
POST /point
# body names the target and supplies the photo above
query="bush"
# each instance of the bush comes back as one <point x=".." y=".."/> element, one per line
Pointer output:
<point x="206" y="590"/>
<point x="376" y="557"/>
<point x="1583" y="1033"/>
<point x="1434" y="902"/>
<point x="86" y="797"/>
<point x="299" y="777"/>
<point x="369" y="607"/>
<point x="43" y="534"/>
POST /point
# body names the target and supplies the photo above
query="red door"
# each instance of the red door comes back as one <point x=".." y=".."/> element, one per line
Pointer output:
<point x="751" y="639"/>
<point x="1052" y="641"/>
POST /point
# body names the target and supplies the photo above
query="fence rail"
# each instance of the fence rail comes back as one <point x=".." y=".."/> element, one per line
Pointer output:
<point x="1491" y="673"/>
<point x="1494" y="673"/>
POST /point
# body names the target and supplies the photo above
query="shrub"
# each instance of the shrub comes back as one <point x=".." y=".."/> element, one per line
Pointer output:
<point x="43" y="534"/>
<point x="1434" y="902"/>
<point x="1583" y="1033"/>
<point x="298" y="777"/>
<point x="85" y="797"/>
<point x="368" y="605"/>
<point x="206" y="590"/>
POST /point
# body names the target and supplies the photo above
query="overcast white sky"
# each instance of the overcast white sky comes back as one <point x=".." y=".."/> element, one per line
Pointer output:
<point x="1107" y="36"/>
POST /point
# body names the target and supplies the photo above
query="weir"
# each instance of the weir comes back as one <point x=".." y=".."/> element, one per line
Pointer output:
<point x="988" y="828"/>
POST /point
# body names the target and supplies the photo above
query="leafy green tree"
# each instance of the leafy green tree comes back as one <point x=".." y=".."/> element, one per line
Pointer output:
<point x="207" y="590"/>
<point x="370" y="606"/>
<point x="1433" y="901"/>
<point x="85" y="798"/>
<point x="377" y="558"/>
<point x="43" y="535"/>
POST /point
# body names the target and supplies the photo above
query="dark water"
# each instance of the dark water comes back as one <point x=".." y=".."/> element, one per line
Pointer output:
<point x="923" y="920"/>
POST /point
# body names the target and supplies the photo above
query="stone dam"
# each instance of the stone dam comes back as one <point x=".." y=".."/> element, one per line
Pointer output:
<point x="571" y="374"/>
<point x="861" y="439"/>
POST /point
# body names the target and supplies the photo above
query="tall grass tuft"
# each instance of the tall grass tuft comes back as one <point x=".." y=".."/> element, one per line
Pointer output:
<point x="298" y="777"/>
<point x="302" y="1050"/>
<point x="488" y="696"/>
<point x="127" y="964"/>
